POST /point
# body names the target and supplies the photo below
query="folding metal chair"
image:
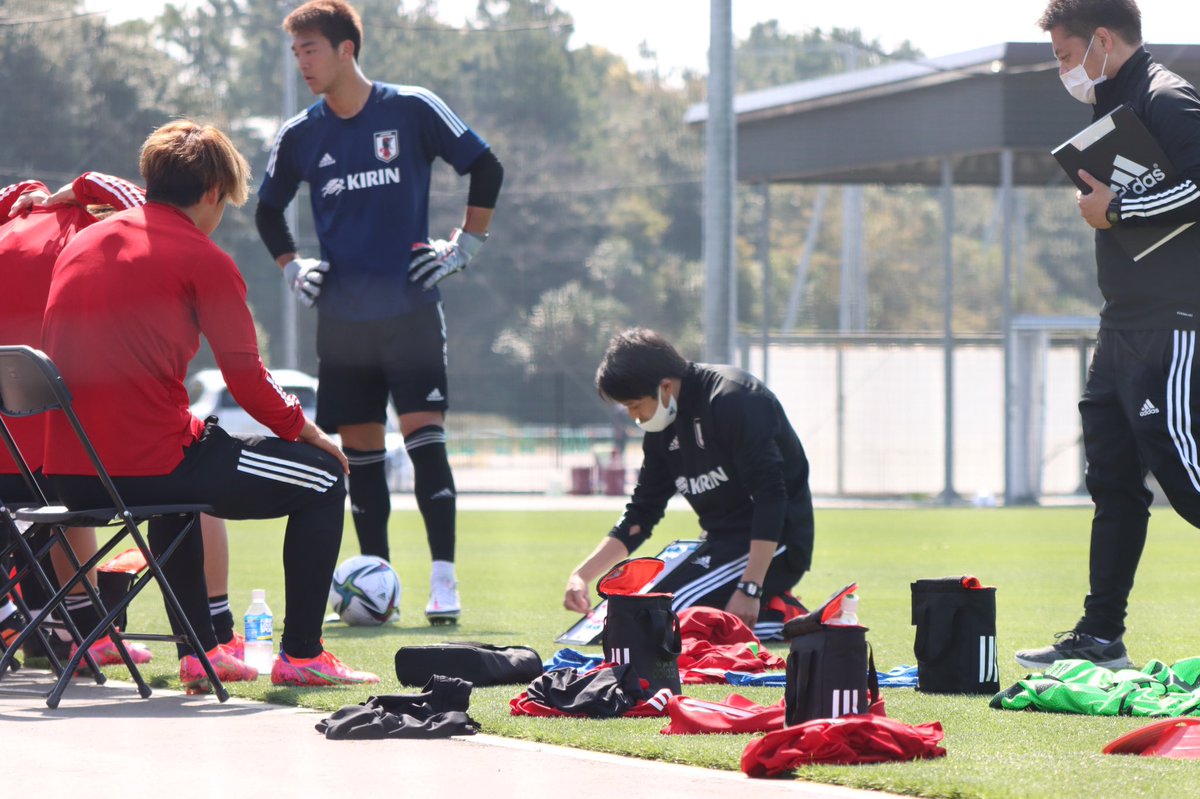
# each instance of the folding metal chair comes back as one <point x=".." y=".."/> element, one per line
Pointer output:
<point x="27" y="555"/>
<point x="30" y="384"/>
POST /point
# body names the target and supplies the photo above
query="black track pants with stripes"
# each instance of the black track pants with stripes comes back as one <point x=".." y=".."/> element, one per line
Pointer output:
<point x="1138" y="409"/>
<point x="710" y="576"/>
<point x="245" y="477"/>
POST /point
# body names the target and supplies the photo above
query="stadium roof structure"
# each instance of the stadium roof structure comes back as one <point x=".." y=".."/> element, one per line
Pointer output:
<point x="896" y="123"/>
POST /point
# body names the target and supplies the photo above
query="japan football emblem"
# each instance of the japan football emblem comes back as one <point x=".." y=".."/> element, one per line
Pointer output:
<point x="386" y="145"/>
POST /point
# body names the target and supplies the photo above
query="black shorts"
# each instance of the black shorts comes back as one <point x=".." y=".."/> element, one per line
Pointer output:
<point x="361" y="363"/>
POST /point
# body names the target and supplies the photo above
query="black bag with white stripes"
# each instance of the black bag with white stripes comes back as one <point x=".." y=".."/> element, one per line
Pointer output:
<point x="955" y="643"/>
<point x="643" y="631"/>
<point x="830" y="673"/>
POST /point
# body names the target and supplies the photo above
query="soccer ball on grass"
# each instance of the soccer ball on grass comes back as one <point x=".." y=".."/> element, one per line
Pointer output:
<point x="365" y="591"/>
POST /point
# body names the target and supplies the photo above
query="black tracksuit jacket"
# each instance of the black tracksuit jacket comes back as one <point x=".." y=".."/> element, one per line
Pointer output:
<point x="1162" y="291"/>
<point x="734" y="456"/>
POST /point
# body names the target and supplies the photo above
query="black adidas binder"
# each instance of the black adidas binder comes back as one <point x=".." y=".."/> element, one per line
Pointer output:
<point x="1118" y="149"/>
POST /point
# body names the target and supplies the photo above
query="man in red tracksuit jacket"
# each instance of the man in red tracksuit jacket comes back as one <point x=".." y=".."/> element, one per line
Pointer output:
<point x="33" y="232"/>
<point x="129" y="300"/>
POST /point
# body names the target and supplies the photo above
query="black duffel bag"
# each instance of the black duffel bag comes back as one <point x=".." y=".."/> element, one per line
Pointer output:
<point x="478" y="664"/>
<point x="955" y="643"/>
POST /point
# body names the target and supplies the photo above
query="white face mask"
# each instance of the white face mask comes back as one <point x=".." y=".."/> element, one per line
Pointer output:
<point x="663" y="416"/>
<point x="1078" y="83"/>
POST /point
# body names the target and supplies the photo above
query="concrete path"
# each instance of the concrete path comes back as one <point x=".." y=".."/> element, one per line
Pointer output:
<point x="104" y="739"/>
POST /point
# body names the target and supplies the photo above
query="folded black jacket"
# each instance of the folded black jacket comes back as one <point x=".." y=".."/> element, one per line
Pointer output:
<point x="437" y="712"/>
<point x="603" y="693"/>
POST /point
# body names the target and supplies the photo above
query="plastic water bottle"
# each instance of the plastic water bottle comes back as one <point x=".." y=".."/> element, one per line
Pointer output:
<point x="260" y="628"/>
<point x="849" y="616"/>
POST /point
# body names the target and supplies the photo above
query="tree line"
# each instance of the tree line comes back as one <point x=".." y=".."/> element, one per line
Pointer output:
<point x="599" y="223"/>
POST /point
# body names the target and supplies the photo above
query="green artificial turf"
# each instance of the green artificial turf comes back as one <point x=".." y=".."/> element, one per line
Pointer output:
<point x="512" y="566"/>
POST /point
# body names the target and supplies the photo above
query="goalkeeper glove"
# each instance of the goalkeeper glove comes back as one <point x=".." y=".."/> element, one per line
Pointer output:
<point x="432" y="262"/>
<point x="304" y="277"/>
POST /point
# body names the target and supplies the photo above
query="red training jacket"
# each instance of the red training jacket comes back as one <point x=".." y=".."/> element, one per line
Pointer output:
<point x="128" y="302"/>
<point x="29" y="245"/>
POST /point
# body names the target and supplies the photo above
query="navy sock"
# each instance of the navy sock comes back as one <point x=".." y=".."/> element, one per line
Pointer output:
<point x="82" y="612"/>
<point x="434" y="488"/>
<point x="222" y="617"/>
<point x="370" y="502"/>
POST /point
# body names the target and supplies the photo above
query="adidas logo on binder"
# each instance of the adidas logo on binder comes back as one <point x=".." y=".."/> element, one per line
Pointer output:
<point x="1129" y="175"/>
<point x="1148" y="409"/>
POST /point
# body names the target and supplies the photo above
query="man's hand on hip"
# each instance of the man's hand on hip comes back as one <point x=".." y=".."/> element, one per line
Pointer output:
<point x="304" y="277"/>
<point x="434" y="261"/>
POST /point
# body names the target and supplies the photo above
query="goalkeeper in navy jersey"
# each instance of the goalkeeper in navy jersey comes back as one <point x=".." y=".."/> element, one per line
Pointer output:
<point x="718" y="436"/>
<point x="366" y="150"/>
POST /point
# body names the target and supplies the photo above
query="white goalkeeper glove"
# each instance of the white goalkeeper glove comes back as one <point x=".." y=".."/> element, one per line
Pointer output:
<point x="304" y="277"/>
<point x="432" y="262"/>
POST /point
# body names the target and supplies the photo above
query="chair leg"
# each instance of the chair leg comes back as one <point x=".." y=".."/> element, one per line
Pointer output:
<point x="189" y="632"/>
<point x="36" y="622"/>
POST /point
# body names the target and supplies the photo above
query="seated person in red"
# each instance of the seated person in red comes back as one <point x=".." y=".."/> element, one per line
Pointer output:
<point x="129" y="300"/>
<point x="31" y="236"/>
<point x="34" y="227"/>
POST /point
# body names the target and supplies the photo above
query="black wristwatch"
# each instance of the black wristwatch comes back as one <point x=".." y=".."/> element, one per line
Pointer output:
<point x="1113" y="215"/>
<point x="750" y="589"/>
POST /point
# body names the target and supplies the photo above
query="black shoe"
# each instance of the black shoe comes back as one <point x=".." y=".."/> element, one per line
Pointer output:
<point x="35" y="653"/>
<point x="1073" y="645"/>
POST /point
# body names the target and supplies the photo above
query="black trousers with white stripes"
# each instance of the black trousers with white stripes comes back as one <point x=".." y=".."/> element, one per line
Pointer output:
<point x="1138" y="411"/>
<point x="711" y="574"/>
<point x="244" y="477"/>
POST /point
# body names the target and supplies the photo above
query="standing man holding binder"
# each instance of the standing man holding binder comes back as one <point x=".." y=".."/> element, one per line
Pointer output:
<point x="1142" y="389"/>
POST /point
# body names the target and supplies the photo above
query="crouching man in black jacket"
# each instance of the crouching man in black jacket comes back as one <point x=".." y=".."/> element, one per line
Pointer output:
<point x="718" y="436"/>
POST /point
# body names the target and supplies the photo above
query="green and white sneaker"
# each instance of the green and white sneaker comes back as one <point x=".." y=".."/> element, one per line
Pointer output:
<point x="1074" y="645"/>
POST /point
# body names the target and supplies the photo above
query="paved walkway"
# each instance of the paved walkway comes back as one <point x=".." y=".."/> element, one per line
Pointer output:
<point x="108" y="739"/>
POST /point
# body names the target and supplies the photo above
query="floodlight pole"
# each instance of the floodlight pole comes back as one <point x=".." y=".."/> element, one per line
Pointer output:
<point x="1011" y="446"/>
<point x="288" y="320"/>
<point x="949" y="495"/>
<point x="720" y="177"/>
<point x="764" y="254"/>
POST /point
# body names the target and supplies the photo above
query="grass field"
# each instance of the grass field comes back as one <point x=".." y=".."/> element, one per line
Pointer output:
<point x="512" y="567"/>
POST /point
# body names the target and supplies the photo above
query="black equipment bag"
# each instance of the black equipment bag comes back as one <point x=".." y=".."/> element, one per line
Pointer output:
<point x="830" y="673"/>
<point x="643" y="631"/>
<point x="478" y="664"/>
<point x="955" y="643"/>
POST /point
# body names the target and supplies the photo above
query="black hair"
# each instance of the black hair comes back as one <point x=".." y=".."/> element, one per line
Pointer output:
<point x="1081" y="18"/>
<point x="336" y="20"/>
<point x="635" y="362"/>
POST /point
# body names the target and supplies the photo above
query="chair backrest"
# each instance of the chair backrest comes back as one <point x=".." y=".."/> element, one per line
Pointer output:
<point x="30" y="384"/>
<point x="31" y="484"/>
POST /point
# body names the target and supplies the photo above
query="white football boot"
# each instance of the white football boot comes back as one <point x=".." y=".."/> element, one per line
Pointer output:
<point x="444" y="606"/>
